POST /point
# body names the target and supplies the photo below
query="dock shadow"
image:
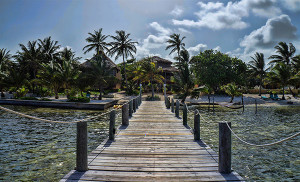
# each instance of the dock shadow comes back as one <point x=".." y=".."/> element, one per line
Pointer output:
<point x="75" y="176"/>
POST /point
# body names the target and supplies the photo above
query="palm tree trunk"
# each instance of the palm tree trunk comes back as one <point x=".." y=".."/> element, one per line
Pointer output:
<point x="152" y="90"/>
<point x="260" y="86"/>
<point x="100" y="95"/>
<point x="125" y="73"/>
<point x="232" y="97"/>
<point x="56" y="94"/>
<point x="283" y="98"/>
<point x="292" y="92"/>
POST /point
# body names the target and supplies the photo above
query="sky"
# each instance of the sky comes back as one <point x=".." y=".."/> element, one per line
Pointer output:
<point x="235" y="27"/>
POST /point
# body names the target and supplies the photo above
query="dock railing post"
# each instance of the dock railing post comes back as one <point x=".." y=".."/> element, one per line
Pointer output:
<point x="125" y="114"/>
<point x="134" y="105"/>
<point x="172" y="105"/>
<point x="130" y="108"/>
<point x="184" y="115"/>
<point x="137" y="102"/>
<point x="81" y="151"/>
<point x="112" y="129"/>
<point x="168" y="103"/>
<point x="196" y="125"/>
<point x="177" y="109"/>
<point x="224" y="148"/>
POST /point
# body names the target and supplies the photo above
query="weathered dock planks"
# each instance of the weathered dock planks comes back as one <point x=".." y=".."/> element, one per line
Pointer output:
<point x="154" y="147"/>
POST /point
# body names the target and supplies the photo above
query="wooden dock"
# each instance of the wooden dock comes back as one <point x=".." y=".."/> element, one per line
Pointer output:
<point x="154" y="147"/>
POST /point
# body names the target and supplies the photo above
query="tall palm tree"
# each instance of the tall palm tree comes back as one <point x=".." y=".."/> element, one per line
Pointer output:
<point x="149" y="73"/>
<point x="5" y="57"/>
<point x="68" y="54"/>
<point x="49" y="49"/>
<point x="100" y="73"/>
<point x="257" y="68"/>
<point x="30" y="57"/>
<point x="96" y="42"/>
<point x="175" y="43"/>
<point x="184" y="57"/>
<point x="285" y="53"/>
<point x="123" y="46"/>
<point x="281" y="74"/>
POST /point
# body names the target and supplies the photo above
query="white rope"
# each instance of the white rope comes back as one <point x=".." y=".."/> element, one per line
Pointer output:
<point x="262" y="145"/>
<point x="51" y="121"/>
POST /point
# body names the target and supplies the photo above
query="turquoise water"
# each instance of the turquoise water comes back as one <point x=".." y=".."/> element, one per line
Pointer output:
<point x="279" y="162"/>
<point x="32" y="150"/>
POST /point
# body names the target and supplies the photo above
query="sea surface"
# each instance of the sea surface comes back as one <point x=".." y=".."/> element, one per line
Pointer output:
<point x="32" y="150"/>
<point x="280" y="162"/>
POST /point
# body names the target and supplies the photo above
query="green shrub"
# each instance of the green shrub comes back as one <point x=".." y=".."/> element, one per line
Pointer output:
<point x="155" y="98"/>
<point x="78" y="99"/>
<point x="21" y="92"/>
<point x="28" y="98"/>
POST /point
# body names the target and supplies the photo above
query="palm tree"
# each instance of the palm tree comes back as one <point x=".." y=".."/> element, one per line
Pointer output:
<point x="257" y="68"/>
<point x="285" y="53"/>
<point x="122" y="46"/>
<point x="68" y="54"/>
<point x="96" y="42"/>
<point x="49" y="49"/>
<point x="232" y="90"/>
<point x="4" y="58"/>
<point x="280" y="74"/>
<point x="149" y="73"/>
<point x="100" y="73"/>
<point x="184" y="57"/>
<point x="175" y="43"/>
<point x="50" y="77"/>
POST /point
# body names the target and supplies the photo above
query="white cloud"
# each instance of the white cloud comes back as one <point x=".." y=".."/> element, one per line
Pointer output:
<point x="276" y="29"/>
<point x="196" y="49"/>
<point x="217" y="15"/>
<point x="162" y="31"/>
<point x="293" y="5"/>
<point x="182" y="30"/>
<point x="177" y="11"/>
<point x="218" y="48"/>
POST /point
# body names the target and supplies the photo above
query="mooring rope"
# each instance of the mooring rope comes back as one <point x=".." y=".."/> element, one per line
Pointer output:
<point x="53" y="121"/>
<point x="248" y="143"/>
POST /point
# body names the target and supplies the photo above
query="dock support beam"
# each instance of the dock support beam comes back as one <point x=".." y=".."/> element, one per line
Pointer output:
<point x="168" y="103"/>
<point x="224" y="148"/>
<point x="177" y="109"/>
<point x="130" y="108"/>
<point x="81" y="151"/>
<point x="184" y="115"/>
<point x="172" y="106"/>
<point x="125" y="114"/>
<point x="196" y="126"/>
<point x="112" y="129"/>
<point x="137" y="102"/>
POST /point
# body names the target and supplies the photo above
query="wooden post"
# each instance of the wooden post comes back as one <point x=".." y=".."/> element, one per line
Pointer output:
<point x="177" y="109"/>
<point x="112" y="129"/>
<point x="137" y="103"/>
<point x="214" y="104"/>
<point x="184" y="116"/>
<point x="134" y="105"/>
<point x="224" y="148"/>
<point x="255" y="106"/>
<point x="130" y="108"/>
<point x="82" y="147"/>
<point x="243" y="103"/>
<point x="196" y="126"/>
<point x="172" y="105"/>
<point x="168" y="103"/>
<point x="125" y="114"/>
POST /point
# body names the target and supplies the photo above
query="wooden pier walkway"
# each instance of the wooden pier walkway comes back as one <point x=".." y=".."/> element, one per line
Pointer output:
<point x="154" y="147"/>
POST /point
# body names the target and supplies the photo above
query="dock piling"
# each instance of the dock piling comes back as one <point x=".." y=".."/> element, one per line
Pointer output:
<point x="130" y="108"/>
<point x="125" y="114"/>
<point x="112" y="129"/>
<point x="172" y="105"/>
<point x="81" y="151"/>
<point x="134" y="105"/>
<point x="184" y="115"/>
<point x="196" y="126"/>
<point x="177" y="109"/>
<point x="224" y="148"/>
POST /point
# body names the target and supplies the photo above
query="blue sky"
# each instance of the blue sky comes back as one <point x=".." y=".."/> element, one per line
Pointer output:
<point x="239" y="28"/>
